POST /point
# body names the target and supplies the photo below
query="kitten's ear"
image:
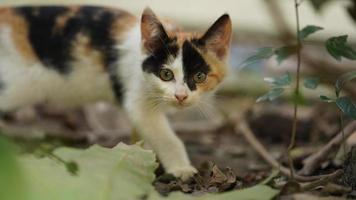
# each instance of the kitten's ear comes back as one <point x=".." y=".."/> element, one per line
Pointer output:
<point x="218" y="37"/>
<point x="152" y="31"/>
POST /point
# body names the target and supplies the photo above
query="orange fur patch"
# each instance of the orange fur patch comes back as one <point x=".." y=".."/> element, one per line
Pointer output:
<point x="122" y="25"/>
<point x="217" y="64"/>
<point x="62" y="20"/>
<point x="83" y="49"/>
<point x="218" y="37"/>
<point x="19" y="32"/>
<point x="184" y="36"/>
<point x="217" y="72"/>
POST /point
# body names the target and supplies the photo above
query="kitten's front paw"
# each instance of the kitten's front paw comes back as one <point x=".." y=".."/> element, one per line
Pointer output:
<point x="183" y="173"/>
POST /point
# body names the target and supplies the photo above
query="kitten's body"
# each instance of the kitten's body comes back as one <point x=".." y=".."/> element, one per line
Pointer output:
<point x="77" y="55"/>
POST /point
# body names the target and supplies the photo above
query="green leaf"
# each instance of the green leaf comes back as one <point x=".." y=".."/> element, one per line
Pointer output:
<point x="271" y="95"/>
<point x="338" y="48"/>
<point x="284" y="52"/>
<point x="311" y="82"/>
<point x="262" y="53"/>
<point x="12" y="182"/>
<point x="124" y="172"/>
<point x="72" y="167"/>
<point x="326" y="99"/>
<point x="347" y="106"/>
<point x="282" y="81"/>
<point x="310" y="29"/>
<point x="343" y="80"/>
<point x="121" y="173"/>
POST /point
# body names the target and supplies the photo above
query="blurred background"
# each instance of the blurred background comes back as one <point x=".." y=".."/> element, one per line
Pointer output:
<point x="256" y="17"/>
<point x="256" y="23"/>
<point x="209" y="132"/>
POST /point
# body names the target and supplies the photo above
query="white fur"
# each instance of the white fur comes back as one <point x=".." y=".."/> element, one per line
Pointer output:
<point x="142" y="89"/>
<point x="146" y="96"/>
<point x="28" y="83"/>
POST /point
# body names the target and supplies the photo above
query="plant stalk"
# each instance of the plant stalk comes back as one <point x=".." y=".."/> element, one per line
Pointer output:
<point x="297" y="93"/>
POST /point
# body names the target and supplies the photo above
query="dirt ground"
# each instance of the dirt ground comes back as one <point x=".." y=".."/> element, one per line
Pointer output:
<point x="224" y="158"/>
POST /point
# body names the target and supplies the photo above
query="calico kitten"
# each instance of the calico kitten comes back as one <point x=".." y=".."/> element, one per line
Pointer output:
<point x="80" y="54"/>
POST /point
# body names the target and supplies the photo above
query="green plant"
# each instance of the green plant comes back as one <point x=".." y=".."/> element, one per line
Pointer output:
<point x="279" y="84"/>
<point x="337" y="47"/>
<point x="124" y="172"/>
<point x="344" y="103"/>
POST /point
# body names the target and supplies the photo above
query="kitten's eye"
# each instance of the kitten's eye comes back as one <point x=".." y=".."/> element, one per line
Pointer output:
<point x="199" y="77"/>
<point x="166" y="74"/>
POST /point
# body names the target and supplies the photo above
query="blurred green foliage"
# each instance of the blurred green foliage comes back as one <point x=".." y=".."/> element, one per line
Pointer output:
<point x="338" y="48"/>
<point x="122" y="173"/>
<point x="12" y="182"/>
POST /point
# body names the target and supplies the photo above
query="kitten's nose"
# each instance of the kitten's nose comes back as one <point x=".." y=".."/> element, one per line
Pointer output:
<point x="181" y="97"/>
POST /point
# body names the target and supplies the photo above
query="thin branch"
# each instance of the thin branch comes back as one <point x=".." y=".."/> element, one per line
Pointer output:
<point x="243" y="128"/>
<point x="295" y="117"/>
<point x="318" y="66"/>
<point x="312" y="162"/>
<point x="323" y="181"/>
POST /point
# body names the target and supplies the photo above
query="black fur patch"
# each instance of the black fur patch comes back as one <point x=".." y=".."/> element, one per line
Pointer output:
<point x="198" y="42"/>
<point x="97" y="22"/>
<point x="193" y="63"/>
<point x="155" y="62"/>
<point x="54" y="47"/>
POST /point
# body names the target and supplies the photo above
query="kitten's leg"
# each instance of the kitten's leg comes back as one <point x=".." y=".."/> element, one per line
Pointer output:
<point x="156" y="131"/>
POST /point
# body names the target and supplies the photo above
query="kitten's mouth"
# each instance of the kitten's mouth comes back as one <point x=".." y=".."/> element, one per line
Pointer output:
<point x="181" y="104"/>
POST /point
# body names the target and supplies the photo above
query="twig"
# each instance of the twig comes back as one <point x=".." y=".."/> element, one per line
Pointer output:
<point x="295" y="117"/>
<point x="243" y="128"/>
<point x="322" y="181"/>
<point x="317" y="65"/>
<point x="313" y="161"/>
<point x="335" y="189"/>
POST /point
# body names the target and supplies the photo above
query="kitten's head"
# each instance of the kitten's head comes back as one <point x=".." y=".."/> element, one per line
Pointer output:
<point x="181" y="69"/>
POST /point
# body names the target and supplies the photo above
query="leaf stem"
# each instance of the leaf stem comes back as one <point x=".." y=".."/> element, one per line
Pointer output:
<point x="56" y="158"/>
<point x="297" y="91"/>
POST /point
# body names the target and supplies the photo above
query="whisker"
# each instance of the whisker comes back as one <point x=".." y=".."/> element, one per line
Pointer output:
<point x="203" y="111"/>
<point x="207" y="108"/>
